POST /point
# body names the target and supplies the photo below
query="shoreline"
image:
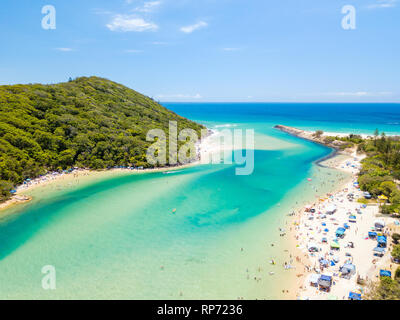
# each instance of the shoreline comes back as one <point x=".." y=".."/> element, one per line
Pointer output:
<point x="310" y="227"/>
<point x="300" y="259"/>
<point x="203" y="148"/>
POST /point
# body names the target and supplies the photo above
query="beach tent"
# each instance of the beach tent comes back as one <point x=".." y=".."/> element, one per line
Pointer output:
<point x="352" y="219"/>
<point x="367" y="195"/>
<point x="331" y="209"/>
<point x="325" y="281"/>
<point x="312" y="247"/>
<point x="335" y="245"/>
<point x="354" y="296"/>
<point x="372" y="234"/>
<point x="324" y="262"/>
<point x="340" y="232"/>
<point x="313" y="279"/>
<point x="385" y="273"/>
<point x="382" y="241"/>
<point x="379" y="224"/>
<point x="379" y="251"/>
<point x="348" y="269"/>
<point x="13" y="191"/>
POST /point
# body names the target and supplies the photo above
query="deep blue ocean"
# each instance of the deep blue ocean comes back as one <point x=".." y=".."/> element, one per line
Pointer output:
<point x="333" y="117"/>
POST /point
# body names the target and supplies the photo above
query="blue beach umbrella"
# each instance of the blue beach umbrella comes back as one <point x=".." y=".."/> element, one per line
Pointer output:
<point x="385" y="273"/>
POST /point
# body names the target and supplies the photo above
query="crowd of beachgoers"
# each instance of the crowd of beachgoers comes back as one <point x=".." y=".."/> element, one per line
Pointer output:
<point x="343" y="244"/>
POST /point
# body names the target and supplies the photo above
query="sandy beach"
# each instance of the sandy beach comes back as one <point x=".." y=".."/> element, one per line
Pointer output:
<point x="316" y="225"/>
<point x="319" y="250"/>
<point x="204" y="148"/>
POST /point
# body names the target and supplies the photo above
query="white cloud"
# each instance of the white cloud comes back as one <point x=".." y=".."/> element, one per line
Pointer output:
<point x="193" y="27"/>
<point x="382" y="4"/>
<point x="148" y="6"/>
<point x="129" y="23"/>
<point x="354" y="94"/>
<point x="64" y="49"/>
<point x="179" y="96"/>
<point x="359" y="94"/>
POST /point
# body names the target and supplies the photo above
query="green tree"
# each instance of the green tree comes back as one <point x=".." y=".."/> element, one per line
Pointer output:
<point x="396" y="238"/>
<point x="87" y="122"/>
<point x="397" y="274"/>
<point x="385" y="289"/>
<point x="5" y="188"/>
<point x="396" y="251"/>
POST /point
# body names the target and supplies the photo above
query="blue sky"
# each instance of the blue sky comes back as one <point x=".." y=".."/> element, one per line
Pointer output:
<point x="210" y="50"/>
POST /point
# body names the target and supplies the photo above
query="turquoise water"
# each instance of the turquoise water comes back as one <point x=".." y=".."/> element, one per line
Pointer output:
<point x="117" y="238"/>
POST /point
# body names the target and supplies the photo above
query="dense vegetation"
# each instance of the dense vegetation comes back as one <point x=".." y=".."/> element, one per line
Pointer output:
<point x="87" y="122"/>
<point x="381" y="169"/>
<point x="385" y="289"/>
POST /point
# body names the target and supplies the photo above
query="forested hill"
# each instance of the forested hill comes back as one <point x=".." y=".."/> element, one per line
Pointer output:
<point x="88" y="122"/>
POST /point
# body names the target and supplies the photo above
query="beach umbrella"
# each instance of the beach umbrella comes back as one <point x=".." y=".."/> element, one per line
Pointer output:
<point x="385" y="273"/>
<point x="326" y="230"/>
<point x="335" y="245"/>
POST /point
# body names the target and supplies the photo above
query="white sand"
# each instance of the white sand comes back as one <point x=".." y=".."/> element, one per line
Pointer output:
<point x="205" y="148"/>
<point x="311" y="230"/>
